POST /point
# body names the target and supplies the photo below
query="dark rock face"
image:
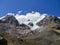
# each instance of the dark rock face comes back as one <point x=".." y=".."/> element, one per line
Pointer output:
<point x="57" y="20"/>
<point x="10" y="19"/>
<point x="31" y="24"/>
<point x="3" y="42"/>
<point x="47" y="20"/>
<point x="23" y="26"/>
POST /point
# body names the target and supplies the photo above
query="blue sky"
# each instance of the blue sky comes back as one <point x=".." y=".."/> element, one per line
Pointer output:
<point x="51" y="7"/>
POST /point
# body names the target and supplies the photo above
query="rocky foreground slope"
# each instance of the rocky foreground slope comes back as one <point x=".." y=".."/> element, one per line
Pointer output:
<point x="45" y="31"/>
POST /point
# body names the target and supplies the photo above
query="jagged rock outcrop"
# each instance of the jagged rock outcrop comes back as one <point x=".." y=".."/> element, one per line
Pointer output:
<point x="48" y="19"/>
<point x="10" y="19"/>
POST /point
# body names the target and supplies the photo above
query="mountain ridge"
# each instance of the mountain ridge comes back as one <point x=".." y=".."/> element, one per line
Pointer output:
<point x="44" y="30"/>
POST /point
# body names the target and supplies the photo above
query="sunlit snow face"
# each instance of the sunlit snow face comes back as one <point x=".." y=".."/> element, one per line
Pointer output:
<point x="29" y="17"/>
<point x="59" y="17"/>
<point x="21" y="18"/>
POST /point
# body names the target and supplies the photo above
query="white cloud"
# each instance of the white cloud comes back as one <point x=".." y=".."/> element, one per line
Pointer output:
<point x="19" y="12"/>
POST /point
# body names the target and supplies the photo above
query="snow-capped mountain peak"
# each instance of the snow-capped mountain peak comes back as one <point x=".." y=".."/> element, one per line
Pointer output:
<point x="30" y="19"/>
